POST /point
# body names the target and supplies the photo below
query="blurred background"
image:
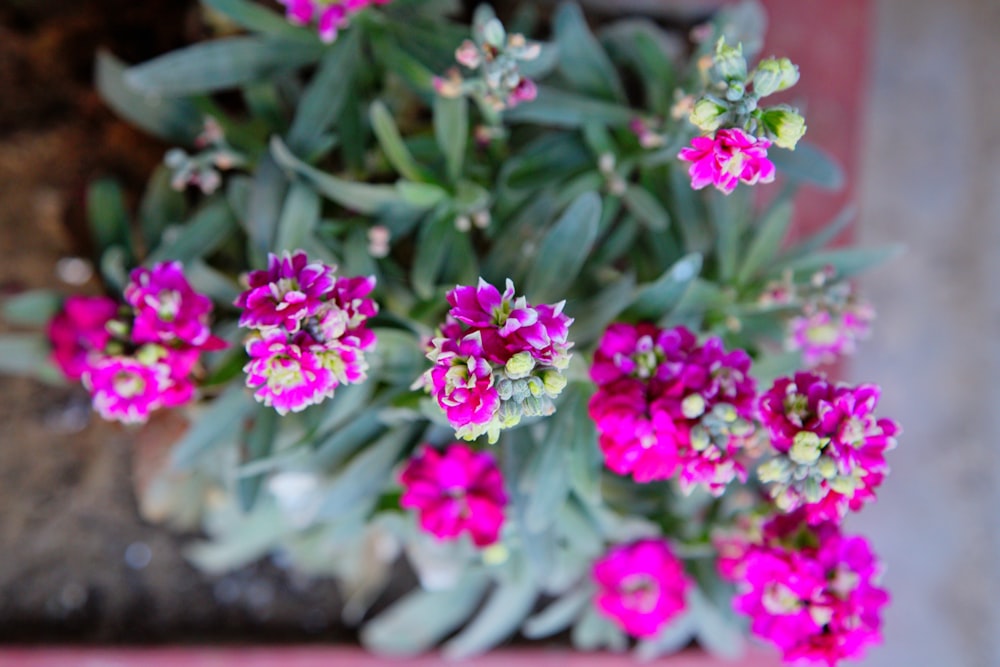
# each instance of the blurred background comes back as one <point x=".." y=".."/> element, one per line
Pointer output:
<point x="905" y="94"/>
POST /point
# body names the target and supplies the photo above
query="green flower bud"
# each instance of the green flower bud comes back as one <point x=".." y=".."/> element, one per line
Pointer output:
<point x="775" y="470"/>
<point x="693" y="406"/>
<point x="784" y="126"/>
<point x="725" y="412"/>
<point x="536" y="386"/>
<point x="827" y="468"/>
<point x="784" y="498"/>
<point x="700" y="439"/>
<point x="505" y="389"/>
<point x="812" y="490"/>
<point x="554" y="381"/>
<point x="806" y="448"/>
<point x="774" y="75"/>
<point x="494" y="33"/>
<point x="520" y="365"/>
<point x="844" y="485"/>
<point x="708" y="115"/>
<point x="729" y="61"/>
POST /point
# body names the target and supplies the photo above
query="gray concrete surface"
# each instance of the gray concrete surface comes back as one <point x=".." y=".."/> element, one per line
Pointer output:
<point x="931" y="178"/>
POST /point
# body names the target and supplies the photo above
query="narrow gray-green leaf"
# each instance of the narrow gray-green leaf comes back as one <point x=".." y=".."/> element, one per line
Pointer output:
<point x="677" y="634"/>
<point x="583" y="61"/>
<point x="213" y="426"/>
<point x="299" y="217"/>
<point x="109" y="221"/>
<point x="559" y="108"/>
<point x="34" y="308"/>
<point x="504" y="611"/>
<point x="258" y="442"/>
<point x="161" y="206"/>
<point x="434" y="240"/>
<point x="820" y="239"/>
<point x="263" y="208"/>
<point x="23" y="354"/>
<point x="206" y="231"/>
<point x="656" y="299"/>
<point x="564" y="250"/>
<point x="808" y="164"/>
<point x="324" y="98"/>
<point x="398" y="357"/>
<point x="766" y="242"/>
<point x="645" y="206"/>
<point x="593" y="315"/>
<point x="558" y="615"/>
<point x="845" y="263"/>
<point x="256" y="17"/>
<point x="392" y="143"/>
<point x="451" y="128"/>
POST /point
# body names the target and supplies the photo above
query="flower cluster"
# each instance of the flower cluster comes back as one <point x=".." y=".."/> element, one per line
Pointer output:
<point x="203" y="169"/>
<point x="455" y="491"/>
<point x="331" y="16"/>
<point x="738" y="131"/>
<point x="493" y="57"/>
<point x="141" y="358"/>
<point x="833" y="319"/>
<point x="666" y="404"/>
<point x="310" y="331"/>
<point x="830" y="448"/>
<point x="497" y="359"/>
<point x="810" y="590"/>
<point x="641" y="586"/>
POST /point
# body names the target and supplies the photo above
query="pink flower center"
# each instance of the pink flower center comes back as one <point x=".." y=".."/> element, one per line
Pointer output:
<point x="779" y="600"/>
<point x="167" y="304"/>
<point x="128" y="385"/>
<point x="641" y="592"/>
<point x="822" y="334"/>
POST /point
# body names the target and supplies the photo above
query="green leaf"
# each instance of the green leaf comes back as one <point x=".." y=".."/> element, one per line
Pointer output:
<point x="258" y="18"/>
<point x="592" y="316"/>
<point x="656" y="299"/>
<point x="594" y="631"/>
<point x="207" y="230"/>
<point x="821" y="238"/>
<point x="434" y="240"/>
<point x="220" y="64"/>
<point x="109" y="221"/>
<point x="264" y="204"/>
<point x="161" y="206"/>
<point x="643" y="45"/>
<point x="558" y="615"/>
<point x="397" y="60"/>
<point x="25" y="354"/>
<point x="846" y="263"/>
<point x="246" y="539"/>
<point x="564" y="250"/>
<point x="258" y="440"/>
<point x="398" y="357"/>
<point x="332" y="451"/>
<point x="586" y="462"/>
<point x="421" y="195"/>
<point x="324" y="98"/>
<point x="766" y="242"/>
<point x="808" y="164"/>
<point x="505" y="610"/>
<point x="392" y="144"/>
<point x="773" y="366"/>
<point x="729" y="217"/>
<point x="583" y="61"/>
<point x="645" y="206"/>
<point x="676" y="635"/>
<point x="451" y="128"/>
<point x="34" y="308"/>
<point x="423" y="618"/>
<point x="214" y="426"/>
<point x="559" y="108"/>
<point x="173" y="120"/>
<point x="299" y="218"/>
<point x="718" y="634"/>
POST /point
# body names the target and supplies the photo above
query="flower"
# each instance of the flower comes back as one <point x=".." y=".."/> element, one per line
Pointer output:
<point x="641" y="586"/>
<point x="330" y="15"/>
<point x="830" y="448"/>
<point x="288" y="292"/>
<point x="79" y="333"/>
<point x="129" y="388"/>
<point x="497" y="359"/>
<point x="810" y="590"/>
<point x="667" y="405"/>
<point x="167" y="310"/>
<point x="824" y="336"/>
<point x="288" y="375"/>
<point x="729" y="157"/>
<point x="455" y="491"/>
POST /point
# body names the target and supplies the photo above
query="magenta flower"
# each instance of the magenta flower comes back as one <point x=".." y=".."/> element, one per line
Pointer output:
<point x="726" y="159"/>
<point x="127" y="390"/>
<point x="455" y="491"/>
<point x="167" y="310"/>
<point x="830" y="447"/>
<point x="641" y="586"/>
<point x="79" y="333"/>
<point x="330" y="15"/>
<point x="288" y="292"/>
<point x="288" y="375"/>
<point x="667" y="405"/>
<point x="811" y="591"/>
<point x="823" y="337"/>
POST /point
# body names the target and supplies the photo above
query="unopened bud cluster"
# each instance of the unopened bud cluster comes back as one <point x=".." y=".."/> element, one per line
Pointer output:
<point x="203" y="169"/>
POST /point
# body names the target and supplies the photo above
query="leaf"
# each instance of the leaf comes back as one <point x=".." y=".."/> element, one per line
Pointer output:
<point x="258" y="18"/>
<point x="33" y="308"/>
<point x="363" y="428"/>
<point x="206" y="231"/>
<point x="434" y="240"/>
<point x="422" y="618"/>
<point x="586" y="462"/>
<point x="656" y="299"/>
<point x="559" y="108"/>
<point x="543" y="65"/>
<point x="676" y="635"/>
<point x="766" y="242"/>
<point x="24" y="354"/>
<point x="729" y="217"/>
<point x="330" y="88"/>
<point x="213" y="427"/>
<point x="820" y="239"/>
<point x="451" y="129"/>
<point x="207" y="280"/>
<point x="558" y="615"/>
<point x="583" y="61"/>
<point x="845" y="263"/>
<point x="398" y="357"/>
<point x="808" y="164"/>
<point x="717" y="634"/>
<point x="646" y="208"/>
<point x="772" y="366"/>
<point x="220" y="64"/>
<point x="258" y="440"/>
<point x="592" y="316"/>
<point x="109" y="221"/>
<point x="161" y="206"/>
<point x="246" y="539"/>
<point x="173" y="120"/>
<point x="593" y="631"/>
<point x="393" y="145"/>
<point x="564" y="249"/>
<point x="643" y="45"/>
<point x="504" y="611"/>
<point x="299" y="218"/>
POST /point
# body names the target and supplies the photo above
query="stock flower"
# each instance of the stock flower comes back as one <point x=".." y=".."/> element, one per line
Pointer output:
<point x="455" y="491"/>
<point x="824" y="336"/>
<point x="729" y="157"/>
<point x="810" y="590"/>
<point x="666" y="405"/>
<point x="329" y="15"/>
<point x="167" y="310"/>
<point x="642" y="586"/>
<point x="288" y="375"/>
<point x="288" y="292"/>
<point x="830" y="448"/>
<point x="128" y="388"/>
<point x="497" y="359"/>
<point x="79" y="333"/>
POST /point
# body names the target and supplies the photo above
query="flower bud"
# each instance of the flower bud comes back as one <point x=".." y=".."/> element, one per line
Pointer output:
<point x="729" y="62"/>
<point x="693" y="406"/>
<point x="468" y="55"/>
<point x="775" y="470"/>
<point x="494" y="33"/>
<point x="554" y="381"/>
<point x="520" y="365"/>
<point x="806" y="448"/>
<point x="774" y="75"/>
<point x="784" y="126"/>
<point x="707" y="115"/>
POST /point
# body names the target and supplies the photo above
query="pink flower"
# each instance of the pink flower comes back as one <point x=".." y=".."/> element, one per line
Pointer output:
<point x="824" y="336"/>
<point x="288" y="375"/>
<point x="330" y="15"/>
<point x="462" y="382"/>
<point x="830" y="447"/>
<point x="524" y="91"/>
<point x="810" y="590"/>
<point x="726" y="159"/>
<point x="455" y="491"/>
<point x="288" y="292"/>
<point x="127" y="389"/>
<point x="641" y="586"/>
<point x="79" y="333"/>
<point x="167" y="309"/>
<point x="666" y="404"/>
